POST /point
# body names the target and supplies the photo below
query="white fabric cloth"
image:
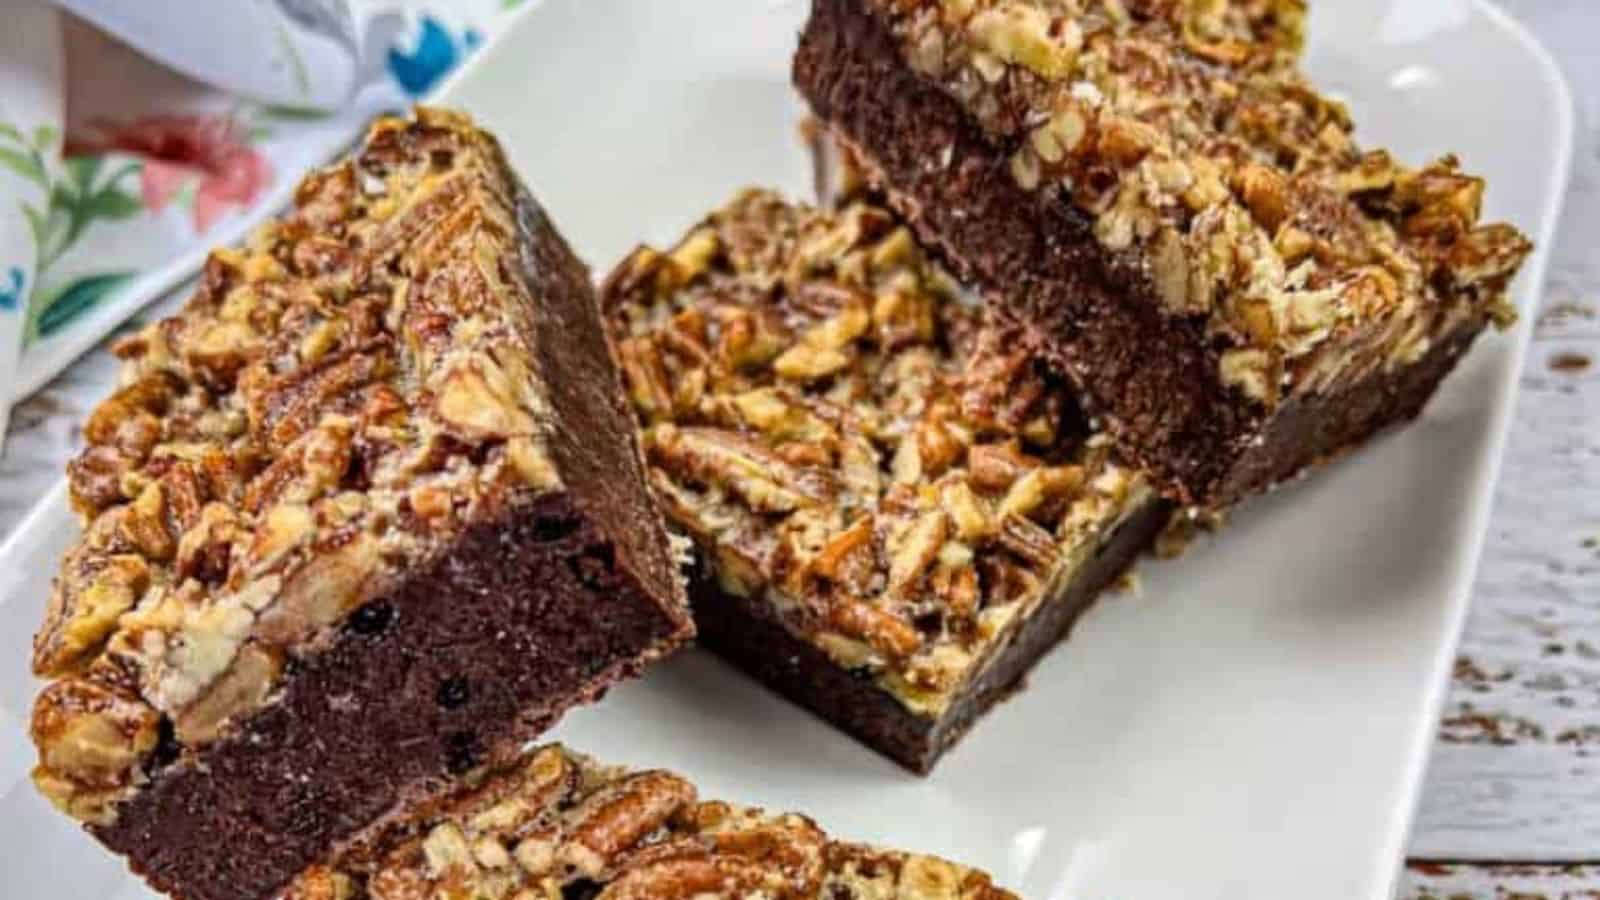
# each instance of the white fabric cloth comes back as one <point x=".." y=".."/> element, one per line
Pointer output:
<point x="135" y="136"/>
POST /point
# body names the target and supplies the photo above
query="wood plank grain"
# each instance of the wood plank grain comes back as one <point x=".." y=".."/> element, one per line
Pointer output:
<point x="1512" y="777"/>
<point x="1465" y="881"/>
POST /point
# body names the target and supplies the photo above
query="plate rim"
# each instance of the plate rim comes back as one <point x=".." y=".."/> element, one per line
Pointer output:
<point x="1556" y="181"/>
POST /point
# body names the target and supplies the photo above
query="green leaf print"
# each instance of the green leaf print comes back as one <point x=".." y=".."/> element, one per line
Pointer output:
<point x="37" y="222"/>
<point x="290" y="113"/>
<point x="26" y="165"/>
<point x="75" y="203"/>
<point x="57" y="309"/>
<point x="78" y="193"/>
<point x="82" y="169"/>
<point x="64" y="224"/>
<point x="112" y="203"/>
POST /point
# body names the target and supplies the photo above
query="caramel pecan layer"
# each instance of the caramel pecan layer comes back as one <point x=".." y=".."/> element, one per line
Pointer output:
<point x="849" y="442"/>
<point x="558" y="821"/>
<point x="1213" y="171"/>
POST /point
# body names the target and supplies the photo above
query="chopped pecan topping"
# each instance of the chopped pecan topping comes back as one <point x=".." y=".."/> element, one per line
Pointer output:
<point x="92" y="739"/>
<point x="555" y="824"/>
<point x="860" y="450"/>
<point x="339" y="397"/>
<point x="1187" y="133"/>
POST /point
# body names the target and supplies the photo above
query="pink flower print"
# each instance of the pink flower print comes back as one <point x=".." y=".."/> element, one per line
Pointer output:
<point x="178" y="148"/>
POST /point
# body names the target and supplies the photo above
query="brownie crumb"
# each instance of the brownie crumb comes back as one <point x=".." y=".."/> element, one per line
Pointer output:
<point x="461" y="751"/>
<point x="1570" y="363"/>
<point x="453" y="692"/>
<point x="371" y="619"/>
<point x="550" y="531"/>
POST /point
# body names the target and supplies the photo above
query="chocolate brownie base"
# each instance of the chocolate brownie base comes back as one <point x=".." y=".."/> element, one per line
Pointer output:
<point x="453" y="669"/>
<point x="746" y="636"/>
<point x="1149" y="377"/>
<point x="1338" y="422"/>
<point x="592" y="440"/>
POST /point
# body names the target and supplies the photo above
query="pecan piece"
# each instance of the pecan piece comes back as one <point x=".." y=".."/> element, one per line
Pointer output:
<point x="646" y="377"/>
<point x="446" y="851"/>
<point x="1040" y="488"/>
<point x="96" y="478"/>
<point x="903" y="316"/>
<point x="1265" y="193"/>
<point x="691" y="877"/>
<point x="824" y="349"/>
<point x="748" y="338"/>
<point x="616" y="817"/>
<point x="957" y="586"/>
<point x="966" y="511"/>
<point x="217" y="352"/>
<point x="938" y="448"/>
<point x="92" y="741"/>
<point x="995" y="467"/>
<point x="693" y="255"/>
<point x="284" y="529"/>
<point x="830" y="562"/>
<point x="321" y="592"/>
<point x="1029" y="36"/>
<point x="801" y="453"/>
<point x="478" y="401"/>
<point x="1028" y="541"/>
<point x="913" y="550"/>
<point x="321" y="883"/>
<point x="84" y="606"/>
<point x="805" y="362"/>
<point x="883" y="631"/>
<point x="241" y="688"/>
<point x="711" y="456"/>
<point x="206" y="550"/>
<point x="285" y="407"/>
<point x="151" y="394"/>
<point x="143" y="524"/>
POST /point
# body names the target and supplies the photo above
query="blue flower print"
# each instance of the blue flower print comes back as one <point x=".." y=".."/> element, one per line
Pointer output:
<point x="11" y="297"/>
<point x="435" y="54"/>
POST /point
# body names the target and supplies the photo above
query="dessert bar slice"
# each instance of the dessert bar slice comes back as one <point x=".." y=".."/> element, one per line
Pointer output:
<point x="1172" y="215"/>
<point x="556" y="825"/>
<point x="367" y="513"/>
<point x="895" y="511"/>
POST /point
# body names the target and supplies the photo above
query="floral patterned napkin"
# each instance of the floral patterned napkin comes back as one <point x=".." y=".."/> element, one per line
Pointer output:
<point x="134" y="137"/>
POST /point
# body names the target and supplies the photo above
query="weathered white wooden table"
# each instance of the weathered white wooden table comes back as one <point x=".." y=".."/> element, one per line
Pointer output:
<point x="1512" y="805"/>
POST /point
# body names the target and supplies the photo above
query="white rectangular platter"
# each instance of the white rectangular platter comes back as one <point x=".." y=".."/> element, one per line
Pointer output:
<point x="1252" y="724"/>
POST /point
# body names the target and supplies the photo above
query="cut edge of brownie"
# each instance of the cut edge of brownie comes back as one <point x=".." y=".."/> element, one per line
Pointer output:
<point x="581" y="375"/>
<point x="1149" y="378"/>
<point x="748" y="637"/>
<point x="1339" y="422"/>
<point x="413" y="690"/>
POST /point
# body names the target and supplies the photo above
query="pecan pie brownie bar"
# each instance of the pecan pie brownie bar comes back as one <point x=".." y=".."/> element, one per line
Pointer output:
<point x="895" y="511"/>
<point x="368" y="513"/>
<point x="1175" y="218"/>
<point x="558" y="825"/>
